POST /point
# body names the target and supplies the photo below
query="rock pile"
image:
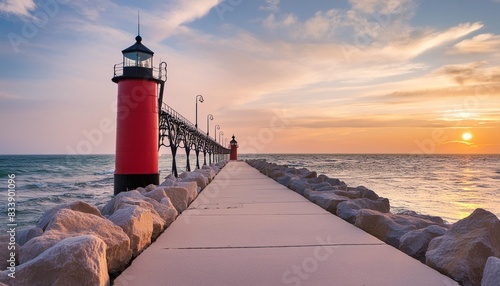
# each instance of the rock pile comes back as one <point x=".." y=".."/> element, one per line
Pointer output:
<point x="78" y="244"/>
<point x="460" y="250"/>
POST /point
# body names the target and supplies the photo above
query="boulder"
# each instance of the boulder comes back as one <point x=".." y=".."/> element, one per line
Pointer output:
<point x="298" y="185"/>
<point x="418" y="221"/>
<point x="207" y="172"/>
<point x="326" y="188"/>
<point x="327" y="200"/>
<point x="415" y="242"/>
<point x="491" y="273"/>
<point x="382" y="226"/>
<point x="463" y="251"/>
<point x="320" y="179"/>
<point x="191" y="187"/>
<point x="23" y="236"/>
<point x="179" y="197"/>
<point x="435" y="219"/>
<point x="137" y="223"/>
<point x="157" y="194"/>
<point x="292" y="171"/>
<point x="349" y="209"/>
<point x="141" y="190"/>
<point x="361" y="192"/>
<point x="31" y="249"/>
<point x="168" y="211"/>
<point x="284" y="180"/>
<point x="163" y="213"/>
<point x="79" y="260"/>
<point x="68" y="223"/>
<point x="306" y="174"/>
<point x="79" y="206"/>
<point x="275" y="174"/>
<point x="169" y="181"/>
<point x="367" y="193"/>
<point x="389" y="227"/>
<point x="337" y="182"/>
<point x="150" y="187"/>
<point x="198" y="178"/>
<point x="319" y="186"/>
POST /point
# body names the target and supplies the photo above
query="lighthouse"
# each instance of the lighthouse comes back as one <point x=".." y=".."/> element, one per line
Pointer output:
<point x="136" y="162"/>
<point x="234" y="149"/>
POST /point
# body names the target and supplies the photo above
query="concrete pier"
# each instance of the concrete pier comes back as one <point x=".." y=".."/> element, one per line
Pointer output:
<point x="246" y="229"/>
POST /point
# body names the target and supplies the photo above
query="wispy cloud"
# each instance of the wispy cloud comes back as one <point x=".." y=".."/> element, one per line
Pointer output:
<point x="476" y="72"/>
<point x="380" y="6"/>
<point x="271" y="5"/>
<point x="480" y="44"/>
<point x="18" y="7"/>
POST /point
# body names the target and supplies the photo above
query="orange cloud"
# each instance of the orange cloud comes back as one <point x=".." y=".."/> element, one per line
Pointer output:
<point x="483" y="43"/>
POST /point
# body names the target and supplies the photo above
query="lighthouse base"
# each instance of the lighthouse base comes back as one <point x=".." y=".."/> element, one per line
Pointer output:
<point x="128" y="182"/>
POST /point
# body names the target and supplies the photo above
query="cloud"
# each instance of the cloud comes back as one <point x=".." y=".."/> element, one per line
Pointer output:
<point x="379" y="6"/>
<point x="18" y="7"/>
<point x="480" y="44"/>
<point x="271" y="5"/>
<point x="333" y="24"/>
<point x="416" y="42"/>
<point x="370" y="31"/>
<point x="181" y="12"/>
<point x="475" y="72"/>
<point x="475" y="82"/>
<point x="92" y="9"/>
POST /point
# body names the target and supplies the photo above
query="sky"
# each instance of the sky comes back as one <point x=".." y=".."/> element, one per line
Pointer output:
<point x="283" y="76"/>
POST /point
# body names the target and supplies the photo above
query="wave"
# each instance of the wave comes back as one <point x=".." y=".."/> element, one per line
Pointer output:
<point x="105" y="172"/>
<point x="40" y="185"/>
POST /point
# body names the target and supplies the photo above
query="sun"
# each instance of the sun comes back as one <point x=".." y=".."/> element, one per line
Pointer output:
<point x="467" y="136"/>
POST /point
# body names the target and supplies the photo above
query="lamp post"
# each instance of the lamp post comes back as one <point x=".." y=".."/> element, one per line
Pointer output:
<point x="209" y="117"/>
<point x="215" y="132"/>
<point x="199" y="98"/>
<point x="225" y="146"/>
<point x="221" y="133"/>
<point x="220" y="142"/>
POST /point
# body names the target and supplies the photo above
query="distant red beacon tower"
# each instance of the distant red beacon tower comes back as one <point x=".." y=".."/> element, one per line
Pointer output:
<point x="136" y="162"/>
<point x="234" y="149"/>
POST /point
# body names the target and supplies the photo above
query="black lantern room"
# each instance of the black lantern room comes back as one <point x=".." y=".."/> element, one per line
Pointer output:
<point x="233" y="142"/>
<point x="137" y="60"/>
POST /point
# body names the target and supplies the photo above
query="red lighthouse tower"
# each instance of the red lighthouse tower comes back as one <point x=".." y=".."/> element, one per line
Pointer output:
<point x="137" y="119"/>
<point x="234" y="149"/>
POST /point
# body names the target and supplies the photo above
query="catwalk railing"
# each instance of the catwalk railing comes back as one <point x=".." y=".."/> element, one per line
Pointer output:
<point x="175" y="131"/>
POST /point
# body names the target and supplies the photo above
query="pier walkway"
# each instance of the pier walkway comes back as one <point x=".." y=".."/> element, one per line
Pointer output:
<point x="246" y="229"/>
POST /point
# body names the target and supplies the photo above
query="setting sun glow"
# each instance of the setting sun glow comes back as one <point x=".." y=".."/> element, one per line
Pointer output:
<point x="467" y="136"/>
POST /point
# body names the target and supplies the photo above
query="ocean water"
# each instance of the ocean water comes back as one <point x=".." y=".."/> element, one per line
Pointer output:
<point x="44" y="181"/>
<point x="450" y="186"/>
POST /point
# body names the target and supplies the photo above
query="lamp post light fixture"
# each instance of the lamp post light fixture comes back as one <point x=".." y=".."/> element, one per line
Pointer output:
<point x="209" y="117"/>
<point x="215" y="132"/>
<point x="199" y="98"/>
